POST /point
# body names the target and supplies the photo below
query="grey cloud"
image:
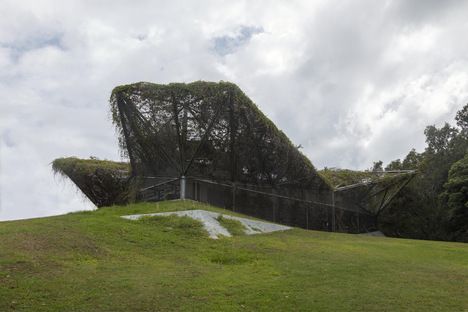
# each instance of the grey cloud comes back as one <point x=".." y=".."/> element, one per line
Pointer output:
<point x="425" y="11"/>
<point x="9" y="142"/>
<point x="17" y="49"/>
<point x="225" y="45"/>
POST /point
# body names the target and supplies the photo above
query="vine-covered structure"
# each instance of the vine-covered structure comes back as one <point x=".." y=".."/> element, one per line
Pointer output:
<point x="104" y="182"/>
<point x="208" y="142"/>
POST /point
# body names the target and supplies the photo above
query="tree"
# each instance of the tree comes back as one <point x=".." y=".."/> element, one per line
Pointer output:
<point x="462" y="118"/>
<point x="394" y="165"/>
<point x="377" y="166"/>
<point x="438" y="140"/>
<point x="456" y="197"/>
<point x="412" y="160"/>
<point x="419" y="211"/>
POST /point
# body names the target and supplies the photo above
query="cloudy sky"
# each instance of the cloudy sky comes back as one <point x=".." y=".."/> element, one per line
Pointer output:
<point x="353" y="82"/>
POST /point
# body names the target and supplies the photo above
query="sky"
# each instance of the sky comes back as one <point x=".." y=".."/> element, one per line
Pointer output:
<point x="352" y="82"/>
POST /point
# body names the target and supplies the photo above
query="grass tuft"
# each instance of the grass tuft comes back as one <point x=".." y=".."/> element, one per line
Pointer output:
<point x="234" y="227"/>
<point x="233" y="255"/>
<point x="184" y="223"/>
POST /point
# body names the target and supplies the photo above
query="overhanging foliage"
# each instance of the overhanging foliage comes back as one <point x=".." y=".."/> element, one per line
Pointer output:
<point x="104" y="182"/>
<point x="368" y="191"/>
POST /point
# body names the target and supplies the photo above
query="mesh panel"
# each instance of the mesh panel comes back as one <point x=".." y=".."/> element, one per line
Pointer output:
<point x="230" y="155"/>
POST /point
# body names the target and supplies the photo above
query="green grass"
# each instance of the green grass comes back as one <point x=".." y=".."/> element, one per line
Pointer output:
<point x="234" y="227"/>
<point x="176" y="223"/>
<point x="97" y="261"/>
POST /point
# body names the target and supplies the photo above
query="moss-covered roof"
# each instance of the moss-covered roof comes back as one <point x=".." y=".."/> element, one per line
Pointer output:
<point x="344" y="177"/>
<point x="104" y="182"/>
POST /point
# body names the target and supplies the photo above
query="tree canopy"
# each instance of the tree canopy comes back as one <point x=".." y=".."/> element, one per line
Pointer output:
<point x="432" y="206"/>
<point x="456" y="196"/>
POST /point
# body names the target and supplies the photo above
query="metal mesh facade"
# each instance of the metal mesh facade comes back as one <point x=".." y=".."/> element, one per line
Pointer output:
<point x="208" y="142"/>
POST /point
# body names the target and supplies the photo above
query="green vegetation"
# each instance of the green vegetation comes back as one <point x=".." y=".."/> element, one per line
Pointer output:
<point x="456" y="196"/>
<point x="183" y="224"/>
<point x="234" y="227"/>
<point x="98" y="261"/>
<point x="433" y="205"/>
<point x="104" y="182"/>
<point x="344" y="177"/>
<point x="90" y="166"/>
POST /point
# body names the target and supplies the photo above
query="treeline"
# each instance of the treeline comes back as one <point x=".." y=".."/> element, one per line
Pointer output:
<point x="434" y="205"/>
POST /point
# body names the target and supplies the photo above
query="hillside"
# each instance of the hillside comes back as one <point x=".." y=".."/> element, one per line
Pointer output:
<point x="97" y="261"/>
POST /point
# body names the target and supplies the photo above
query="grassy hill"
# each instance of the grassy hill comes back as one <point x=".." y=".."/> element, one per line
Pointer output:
<point x="97" y="261"/>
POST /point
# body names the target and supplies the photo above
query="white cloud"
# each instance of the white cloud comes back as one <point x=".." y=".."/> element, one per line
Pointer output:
<point x="352" y="81"/>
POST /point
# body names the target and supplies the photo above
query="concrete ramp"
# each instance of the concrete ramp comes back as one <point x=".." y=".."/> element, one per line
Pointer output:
<point x="376" y="233"/>
<point x="214" y="228"/>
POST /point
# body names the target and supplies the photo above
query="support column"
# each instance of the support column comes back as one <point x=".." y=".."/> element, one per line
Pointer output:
<point x="182" y="187"/>
<point x="333" y="212"/>
<point x="234" y="198"/>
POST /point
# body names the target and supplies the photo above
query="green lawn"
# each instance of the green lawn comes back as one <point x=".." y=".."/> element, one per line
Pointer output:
<point x="97" y="261"/>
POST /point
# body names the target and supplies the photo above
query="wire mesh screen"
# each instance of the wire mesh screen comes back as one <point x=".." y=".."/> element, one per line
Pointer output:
<point x="207" y="130"/>
<point x="230" y="155"/>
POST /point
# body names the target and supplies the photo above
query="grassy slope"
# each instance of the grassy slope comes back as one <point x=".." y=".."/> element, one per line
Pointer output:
<point x="97" y="261"/>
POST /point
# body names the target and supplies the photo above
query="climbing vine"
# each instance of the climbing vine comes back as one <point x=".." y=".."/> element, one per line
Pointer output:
<point x="205" y="129"/>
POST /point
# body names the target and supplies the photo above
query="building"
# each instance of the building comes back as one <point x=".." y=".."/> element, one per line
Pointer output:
<point x="208" y="142"/>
